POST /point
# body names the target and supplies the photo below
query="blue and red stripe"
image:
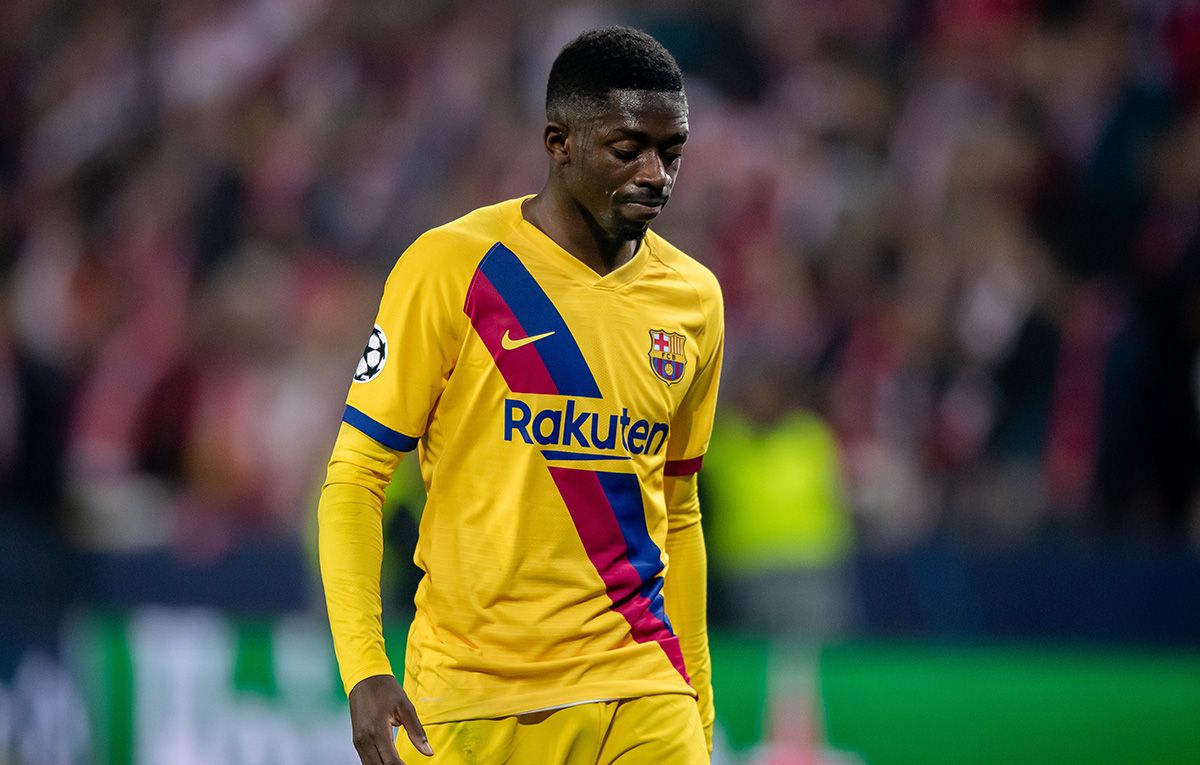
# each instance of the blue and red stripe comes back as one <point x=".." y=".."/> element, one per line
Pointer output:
<point x="611" y="521"/>
<point x="505" y="298"/>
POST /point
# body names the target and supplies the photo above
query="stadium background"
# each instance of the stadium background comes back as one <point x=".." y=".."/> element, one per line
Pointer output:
<point x="952" y="503"/>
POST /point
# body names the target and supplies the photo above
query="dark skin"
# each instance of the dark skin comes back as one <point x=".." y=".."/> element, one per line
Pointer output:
<point x="601" y="166"/>
<point x="611" y="172"/>
<point x="378" y="704"/>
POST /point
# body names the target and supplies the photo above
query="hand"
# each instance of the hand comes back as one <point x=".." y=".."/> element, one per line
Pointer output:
<point x="377" y="704"/>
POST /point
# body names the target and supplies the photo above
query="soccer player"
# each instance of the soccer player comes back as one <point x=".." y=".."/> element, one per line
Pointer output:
<point x="557" y="364"/>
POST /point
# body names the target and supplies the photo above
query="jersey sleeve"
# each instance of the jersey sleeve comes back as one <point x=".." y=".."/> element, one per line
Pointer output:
<point x="685" y="590"/>
<point x="350" y="548"/>
<point x="692" y="425"/>
<point x="413" y="347"/>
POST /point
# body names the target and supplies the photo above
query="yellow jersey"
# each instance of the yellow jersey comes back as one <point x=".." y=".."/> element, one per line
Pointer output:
<point x="547" y="402"/>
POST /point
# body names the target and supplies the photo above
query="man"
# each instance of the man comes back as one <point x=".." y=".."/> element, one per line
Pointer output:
<point x="557" y="363"/>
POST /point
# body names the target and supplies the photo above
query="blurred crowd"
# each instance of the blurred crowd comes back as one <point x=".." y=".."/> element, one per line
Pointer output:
<point x="959" y="242"/>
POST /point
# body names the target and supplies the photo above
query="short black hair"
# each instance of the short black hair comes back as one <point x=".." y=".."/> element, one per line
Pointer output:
<point x="598" y="62"/>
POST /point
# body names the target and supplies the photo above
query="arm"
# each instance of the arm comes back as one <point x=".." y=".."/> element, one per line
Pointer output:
<point x="350" y="545"/>
<point x="687" y="569"/>
<point x="686" y="589"/>
<point x="418" y="330"/>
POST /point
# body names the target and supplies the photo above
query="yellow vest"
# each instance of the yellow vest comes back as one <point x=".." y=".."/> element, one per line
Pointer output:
<point x="775" y="495"/>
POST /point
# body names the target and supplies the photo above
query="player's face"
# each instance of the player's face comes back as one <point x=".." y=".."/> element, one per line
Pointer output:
<point x="625" y="161"/>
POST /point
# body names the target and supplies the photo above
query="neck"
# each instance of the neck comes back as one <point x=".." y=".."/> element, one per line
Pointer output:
<point x="561" y="219"/>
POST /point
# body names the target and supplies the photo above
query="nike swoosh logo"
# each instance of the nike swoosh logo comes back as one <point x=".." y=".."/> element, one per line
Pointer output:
<point x="508" y="344"/>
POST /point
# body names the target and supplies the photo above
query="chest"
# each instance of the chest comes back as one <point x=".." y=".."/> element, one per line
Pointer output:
<point x="634" y="349"/>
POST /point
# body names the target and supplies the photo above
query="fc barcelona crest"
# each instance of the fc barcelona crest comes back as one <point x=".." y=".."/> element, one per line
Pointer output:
<point x="666" y="355"/>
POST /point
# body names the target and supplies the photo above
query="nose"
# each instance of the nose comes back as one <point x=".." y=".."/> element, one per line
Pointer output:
<point x="652" y="173"/>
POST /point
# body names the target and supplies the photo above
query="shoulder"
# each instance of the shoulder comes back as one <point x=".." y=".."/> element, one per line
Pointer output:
<point x="693" y="272"/>
<point x="464" y="237"/>
<point x="455" y="248"/>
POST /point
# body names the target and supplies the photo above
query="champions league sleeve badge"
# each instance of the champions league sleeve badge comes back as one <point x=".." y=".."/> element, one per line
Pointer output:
<point x="374" y="356"/>
<point x="666" y="355"/>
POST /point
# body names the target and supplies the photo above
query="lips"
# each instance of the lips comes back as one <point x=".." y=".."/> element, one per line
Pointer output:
<point x="643" y="208"/>
<point x="641" y="212"/>
<point x="645" y="201"/>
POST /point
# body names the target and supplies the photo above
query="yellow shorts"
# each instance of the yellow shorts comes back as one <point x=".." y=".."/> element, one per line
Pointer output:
<point x="651" y="730"/>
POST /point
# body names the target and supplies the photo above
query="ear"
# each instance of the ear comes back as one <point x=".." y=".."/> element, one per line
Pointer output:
<point x="558" y="141"/>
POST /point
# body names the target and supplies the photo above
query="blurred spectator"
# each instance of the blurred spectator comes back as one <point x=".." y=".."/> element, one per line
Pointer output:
<point x="973" y="225"/>
<point x="780" y="536"/>
<point x="32" y="438"/>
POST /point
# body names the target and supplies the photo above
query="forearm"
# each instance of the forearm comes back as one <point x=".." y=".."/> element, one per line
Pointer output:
<point x="685" y="590"/>
<point x="350" y="546"/>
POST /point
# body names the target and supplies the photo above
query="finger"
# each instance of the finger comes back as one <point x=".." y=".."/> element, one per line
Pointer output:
<point x="383" y="747"/>
<point x="368" y="754"/>
<point x="412" y="726"/>
<point x="388" y="754"/>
